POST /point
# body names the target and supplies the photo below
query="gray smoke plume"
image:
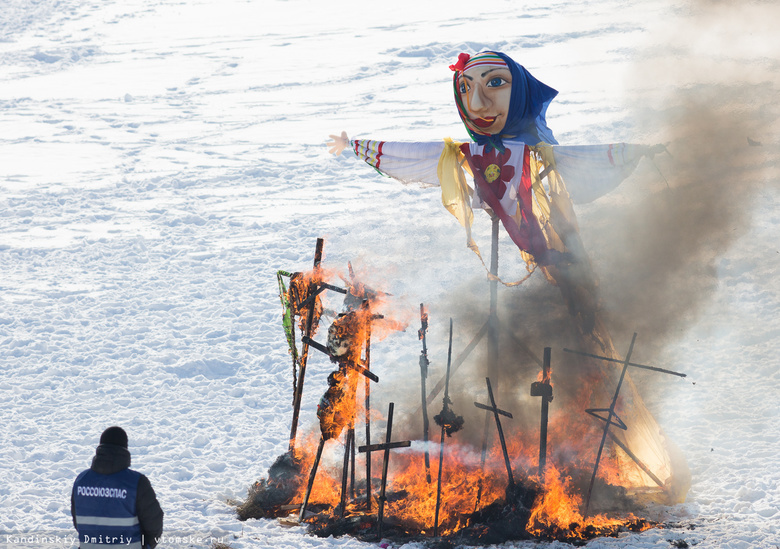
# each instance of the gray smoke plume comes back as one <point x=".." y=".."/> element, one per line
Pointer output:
<point x="706" y="86"/>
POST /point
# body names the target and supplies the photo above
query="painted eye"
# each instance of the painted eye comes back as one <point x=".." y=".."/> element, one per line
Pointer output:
<point x="496" y="82"/>
<point x="462" y="87"/>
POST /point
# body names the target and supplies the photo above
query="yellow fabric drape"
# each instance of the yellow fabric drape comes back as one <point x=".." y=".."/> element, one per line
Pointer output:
<point x="456" y="197"/>
<point x="455" y="192"/>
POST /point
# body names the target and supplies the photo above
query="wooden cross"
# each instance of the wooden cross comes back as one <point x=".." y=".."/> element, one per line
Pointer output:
<point x="543" y="389"/>
<point x="496" y="413"/>
<point x="387" y="446"/>
<point x="612" y="418"/>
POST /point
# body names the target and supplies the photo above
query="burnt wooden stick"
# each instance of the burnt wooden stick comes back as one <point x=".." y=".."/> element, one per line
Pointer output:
<point x="652" y="368"/>
<point x="312" y="474"/>
<point x="492" y="351"/>
<point x="304" y="353"/>
<point x="461" y="358"/>
<point x="386" y="446"/>
<point x="608" y="424"/>
<point x="490" y="409"/>
<point x="545" y="414"/>
<point x="352" y="469"/>
<point x="355" y="366"/>
<point x="368" y="418"/>
<point x="320" y="287"/>
<point x="424" y="363"/>
<point x="638" y="461"/>
<point x="496" y="412"/>
<point x="525" y="348"/>
<point x="438" y="487"/>
<point x="441" y="447"/>
<point x="345" y="471"/>
<point x="385" y="463"/>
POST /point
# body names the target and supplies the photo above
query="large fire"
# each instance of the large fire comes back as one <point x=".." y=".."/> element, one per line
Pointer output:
<point x="473" y="488"/>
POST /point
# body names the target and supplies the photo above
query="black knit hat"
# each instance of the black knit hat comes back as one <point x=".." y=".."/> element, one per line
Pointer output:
<point x="114" y="435"/>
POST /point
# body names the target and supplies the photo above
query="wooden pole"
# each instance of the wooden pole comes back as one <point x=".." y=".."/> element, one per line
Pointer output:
<point x="305" y="349"/>
<point x="368" y="420"/>
<point x="441" y="448"/>
<point x="385" y="463"/>
<point x="494" y="409"/>
<point x="387" y="446"/>
<point x="545" y="415"/>
<point x="609" y="423"/>
<point x="345" y="471"/>
<point x="492" y="365"/>
<point x="461" y="358"/>
<point x="620" y="423"/>
<point x="352" y="469"/>
<point x="424" y="363"/>
<point x="312" y="474"/>
<point x="500" y="434"/>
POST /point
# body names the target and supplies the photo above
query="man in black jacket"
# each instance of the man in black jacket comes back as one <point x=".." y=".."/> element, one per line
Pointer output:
<point x="111" y="504"/>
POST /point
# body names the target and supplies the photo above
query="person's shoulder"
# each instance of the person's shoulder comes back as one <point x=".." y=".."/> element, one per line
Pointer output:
<point x="143" y="480"/>
<point x="82" y="474"/>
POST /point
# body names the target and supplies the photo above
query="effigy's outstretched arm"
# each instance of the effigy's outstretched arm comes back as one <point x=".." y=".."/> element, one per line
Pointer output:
<point x="408" y="162"/>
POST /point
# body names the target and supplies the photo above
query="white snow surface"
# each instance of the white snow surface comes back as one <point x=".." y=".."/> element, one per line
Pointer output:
<point x="160" y="160"/>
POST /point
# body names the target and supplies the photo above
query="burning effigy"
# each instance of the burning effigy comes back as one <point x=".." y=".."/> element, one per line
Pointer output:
<point x="516" y="489"/>
<point x="607" y="457"/>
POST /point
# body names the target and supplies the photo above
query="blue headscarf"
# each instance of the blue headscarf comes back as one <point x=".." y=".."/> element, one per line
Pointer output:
<point x="527" y="108"/>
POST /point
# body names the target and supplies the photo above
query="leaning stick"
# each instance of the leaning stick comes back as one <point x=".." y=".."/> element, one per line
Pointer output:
<point x="608" y="423"/>
<point x="441" y="448"/>
<point x="385" y="463"/>
<point x="305" y="350"/>
<point x="424" y="362"/>
<point x="345" y="471"/>
<point x="368" y="416"/>
<point x="312" y="474"/>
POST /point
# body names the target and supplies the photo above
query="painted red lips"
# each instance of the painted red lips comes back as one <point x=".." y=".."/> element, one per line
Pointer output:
<point x="484" y="122"/>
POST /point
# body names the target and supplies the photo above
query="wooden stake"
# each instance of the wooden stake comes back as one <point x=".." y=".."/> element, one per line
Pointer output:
<point x="424" y="363"/>
<point x="305" y="350"/>
<point x="492" y="354"/>
<point x="545" y="415"/>
<point x="385" y="464"/>
<point x="609" y="423"/>
<point x="441" y="448"/>
<point x="368" y="418"/>
<point x="543" y="389"/>
<point x="496" y="412"/>
<point x="312" y="474"/>
<point x="387" y="446"/>
<point x="461" y="358"/>
<point x="345" y="470"/>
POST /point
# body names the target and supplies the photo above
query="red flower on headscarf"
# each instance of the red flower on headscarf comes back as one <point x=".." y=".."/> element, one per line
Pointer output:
<point x="463" y="58"/>
<point x="492" y="166"/>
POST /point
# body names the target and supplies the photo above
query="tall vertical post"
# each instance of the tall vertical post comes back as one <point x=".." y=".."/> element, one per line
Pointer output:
<point x="424" y="363"/>
<point x="441" y="448"/>
<point x="305" y="349"/>
<point x="345" y="470"/>
<point x="545" y="415"/>
<point x="368" y="418"/>
<point x="492" y="331"/>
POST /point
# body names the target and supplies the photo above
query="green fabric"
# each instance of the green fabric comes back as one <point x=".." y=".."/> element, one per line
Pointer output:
<point x="287" y="316"/>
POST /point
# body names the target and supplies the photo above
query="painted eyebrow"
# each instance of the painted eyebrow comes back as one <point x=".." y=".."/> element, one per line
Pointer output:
<point x="491" y="70"/>
<point x="485" y="73"/>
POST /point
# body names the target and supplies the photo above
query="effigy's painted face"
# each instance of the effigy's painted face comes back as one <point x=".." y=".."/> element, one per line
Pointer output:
<point x="485" y="90"/>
